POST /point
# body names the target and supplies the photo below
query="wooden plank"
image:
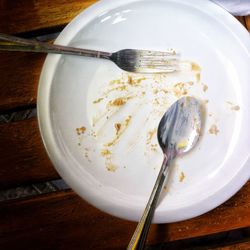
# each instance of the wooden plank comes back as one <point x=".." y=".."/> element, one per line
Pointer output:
<point x="23" y="157"/>
<point x="20" y="73"/>
<point x="247" y="20"/>
<point x="19" y="79"/>
<point x="236" y="246"/>
<point x="26" y="15"/>
<point x="241" y="19"/>
<point x="62" y="220"/>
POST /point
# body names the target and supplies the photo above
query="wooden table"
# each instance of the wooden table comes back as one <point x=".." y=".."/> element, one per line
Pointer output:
<point x="60" y="219"/>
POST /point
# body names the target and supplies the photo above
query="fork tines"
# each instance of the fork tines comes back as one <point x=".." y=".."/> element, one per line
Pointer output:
<point x="146" y="61"/>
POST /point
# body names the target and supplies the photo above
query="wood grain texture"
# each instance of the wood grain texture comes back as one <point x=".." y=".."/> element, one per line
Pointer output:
<point x="29" y="15"/>
<point x="247" y="21"/>
<point x="236" y="246"/>
<point x="23" y="157"/>
<point x="241" y="19"/>
<point x="30" y="223"/>
<point x="19" y="79"/>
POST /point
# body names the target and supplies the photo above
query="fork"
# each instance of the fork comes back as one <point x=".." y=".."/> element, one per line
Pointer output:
<point x="131" y="60"/>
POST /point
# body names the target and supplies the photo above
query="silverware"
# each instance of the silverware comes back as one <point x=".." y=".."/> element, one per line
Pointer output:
<point x="131" y="60"/>
<point x="178" y="132"/>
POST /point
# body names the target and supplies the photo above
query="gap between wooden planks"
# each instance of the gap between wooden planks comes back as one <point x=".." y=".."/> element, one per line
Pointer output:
<point x="74" y="223"/>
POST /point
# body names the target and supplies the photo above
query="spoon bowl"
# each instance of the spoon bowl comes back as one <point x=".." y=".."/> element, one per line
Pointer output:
<point x="178" y="132"/>
<point x="180" y="127"/>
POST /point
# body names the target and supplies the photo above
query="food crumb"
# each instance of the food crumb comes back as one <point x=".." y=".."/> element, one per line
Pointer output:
<point x="205" y="87"/>
<point x="122" y="129"/>
<point x="182" y="144"/>
<point x="130" y="80"/>
<point x="180" y="89"/>
<point x="198" y="77"/>
<point x="115" y="81"/>
<point x="93" y="133"/>
<point x="87" y="155"/>
<point x="117" y="127"/>
<point x="234" y="107"/>
<point x="135" y="81"/>
<point x="105" y="152"/>
<point x="150" y="135"/>
<point x="118" y="102"/>
<point x="213" y="130"/>
<point x="182" y="176"/>
<point x="154" y="147"/>
<point x="195" y="67"/>
<point x="111" y="167"/>
<point x="80" y="130"/>
<point x="98" y="100"/>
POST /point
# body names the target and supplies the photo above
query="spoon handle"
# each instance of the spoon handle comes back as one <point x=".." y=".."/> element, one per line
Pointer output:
<point x="139" y="237"/>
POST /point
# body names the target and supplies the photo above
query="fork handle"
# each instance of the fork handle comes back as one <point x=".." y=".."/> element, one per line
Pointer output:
<point x="12" y="43"/>
<point x="139" y="237"/>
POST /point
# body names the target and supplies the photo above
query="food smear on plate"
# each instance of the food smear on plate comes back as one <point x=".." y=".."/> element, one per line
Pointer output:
<point x="233" y="107"/>
<point x="124" y="112"/>
<point x="213" y="130"/>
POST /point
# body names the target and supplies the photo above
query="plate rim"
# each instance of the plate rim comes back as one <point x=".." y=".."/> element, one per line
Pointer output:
<point x="98" y="201"/>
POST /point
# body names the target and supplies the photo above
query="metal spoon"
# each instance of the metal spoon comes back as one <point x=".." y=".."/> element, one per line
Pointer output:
<point x="178" y="132"/>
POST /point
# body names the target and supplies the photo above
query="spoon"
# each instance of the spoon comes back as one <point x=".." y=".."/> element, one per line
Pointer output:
<point x="178" y="132"/>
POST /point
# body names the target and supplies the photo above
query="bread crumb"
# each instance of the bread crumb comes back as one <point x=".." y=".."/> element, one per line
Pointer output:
<point x="105" y="152"/>
<point x="195" y="67"/>
<point x="182" y="176"/>
<point x="135" y="81"/>
<point x="117" y="127"/>
<point x="213" y="130"/>
<point x="118" y="102"/>
<point x="80" y="130"/>
<point x="122" y="128"/>
<point x="180" y="89"/>
<point x="150" y="135"/>
<point x="111" y="167"/>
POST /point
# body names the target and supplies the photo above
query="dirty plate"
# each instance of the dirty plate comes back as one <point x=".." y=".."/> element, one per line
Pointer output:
<point x="99" y="124"/>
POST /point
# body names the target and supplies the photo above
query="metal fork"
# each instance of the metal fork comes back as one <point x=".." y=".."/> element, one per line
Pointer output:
<point x="131" y="60"/>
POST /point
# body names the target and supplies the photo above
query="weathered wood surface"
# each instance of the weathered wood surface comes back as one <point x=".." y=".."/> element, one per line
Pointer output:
<point x="62" y="220"/>
<point x="30" y="15"/>
<point x="23" y="157"/>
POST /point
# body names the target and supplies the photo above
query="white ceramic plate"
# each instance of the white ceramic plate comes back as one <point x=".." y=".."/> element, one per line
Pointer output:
<point x="70" y="88"/>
